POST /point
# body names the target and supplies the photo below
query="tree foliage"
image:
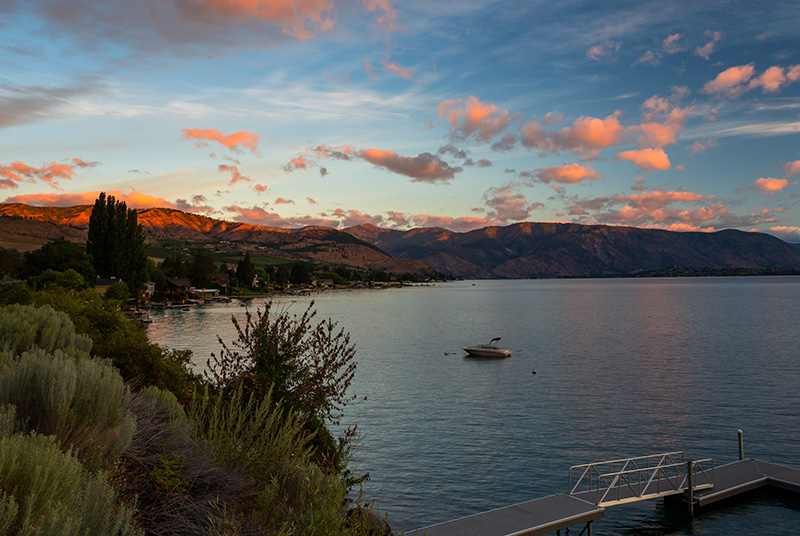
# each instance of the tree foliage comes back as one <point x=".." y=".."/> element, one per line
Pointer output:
<point x="201" y="268"/>
<point x="116" y="242"/>
<point x="245" y="271"/>
<point x="300" y="274"/>
<point x="60" y="255"/>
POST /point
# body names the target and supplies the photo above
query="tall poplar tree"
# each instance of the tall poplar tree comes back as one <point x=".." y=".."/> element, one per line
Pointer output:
<point x="116" y="242"/>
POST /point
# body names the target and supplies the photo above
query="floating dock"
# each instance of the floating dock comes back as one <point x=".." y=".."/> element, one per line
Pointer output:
<point x="634" y="479"/>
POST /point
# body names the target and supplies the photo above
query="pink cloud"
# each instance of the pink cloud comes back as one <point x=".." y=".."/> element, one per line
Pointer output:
<point x="589" y="134"/>
<point x="649" y="57"/>
<point x="282" y="201"/>
<point x="701" y="146"/>
<point x="706" y="50"/>
<point x="295" y="164"/>
<point x="566" y="174"/>
<point x="731" y="82"/>
<point x="48" y="173"/>
<point x="603" y="51"/>
<point x="507" y="205"/>
<point x="469" y="116"/>
<point x="792" y="168"/>
<point x="647" y="159"/>
<point x="234" y="171"/>
<point x="82" y="164"/>
<point x="394" y="68"/>
<point x="553" y="118"/>
<point x="260" y="188"/>
<point x="256" y="215"/>
<point x="235" y="142"/>
<point x="424" y="167"/>
<point x="770" y="185"/>
<point x="302" y="19"/>
<point x="673" y="44"/>
<point x="387" y="13"/>
<point x="311" y="201"/>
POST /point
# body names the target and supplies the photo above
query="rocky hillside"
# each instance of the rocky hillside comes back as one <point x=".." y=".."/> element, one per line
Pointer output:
<point x="23" y="224"/>
<point x="533" y="250"/>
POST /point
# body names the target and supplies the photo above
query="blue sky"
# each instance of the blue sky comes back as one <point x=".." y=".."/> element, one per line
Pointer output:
<point x="675" y="115"/>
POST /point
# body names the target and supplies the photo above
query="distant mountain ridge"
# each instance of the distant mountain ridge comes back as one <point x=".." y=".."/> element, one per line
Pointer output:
<point x="535" y="250"/>
<point x="315" y="244"/>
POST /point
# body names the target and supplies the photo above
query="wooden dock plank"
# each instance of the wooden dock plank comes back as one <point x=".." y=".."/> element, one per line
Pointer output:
<point x="732" y="479"/>
<point x="531" y="518"/>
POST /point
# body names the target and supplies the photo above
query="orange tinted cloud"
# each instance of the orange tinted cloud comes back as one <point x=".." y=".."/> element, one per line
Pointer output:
<point x="792" y="168"/>
<point x="770" y="185"/>
<point x="282" y="201"/>
<point x="235" y="142"/>
<point x="387" y="12"/>
<point x="260" y="188"/>
<point x="566" y="174"/>
<point x="706" y="50"/>
<point x="424" y="167"/>
<point x="508" y="205"/>
<point x="402" y="72"/>
<point x="647" y="159"/>
<point x="731" y="82"/>
<point x="234" y="171"/>
<point x="80" y="163"/>
<point x="302" y="19"/>
<point x="604" y="51"/>
<point x="49" y="173"/>
<point x="673" y="44"/>
<point x="701" y="146"/>
<point x="295" y="164"/>
<point x="590" y="135"/>
<point x="470" y="116"/>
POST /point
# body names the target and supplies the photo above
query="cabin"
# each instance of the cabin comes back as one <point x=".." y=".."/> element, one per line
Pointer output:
<point x="178" y="289"/>
<point x="222" y="280"/>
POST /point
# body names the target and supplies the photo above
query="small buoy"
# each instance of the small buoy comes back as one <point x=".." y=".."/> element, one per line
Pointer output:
<point x="533" y="372"/>
<point x="447" y="353"/>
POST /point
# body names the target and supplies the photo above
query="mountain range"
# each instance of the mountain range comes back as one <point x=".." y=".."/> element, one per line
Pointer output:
<point x="522" y="250"/>
<point x="535" y="250"/>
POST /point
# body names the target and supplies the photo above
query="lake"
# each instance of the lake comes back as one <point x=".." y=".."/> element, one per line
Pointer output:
<point x="624" y="367"/>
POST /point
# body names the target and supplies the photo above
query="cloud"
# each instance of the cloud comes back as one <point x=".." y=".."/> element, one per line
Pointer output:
<point x="590" y="135"/>
<point x="234" y="171"/>
<point x="604" y="51"/>
<point x="508" y="205"/>
<point x="260" y="188"/>
<point x="734" y="81"/>
<point x="453" y="151"/>
<point x="566" y="174"/>
<point x="706" y="50"/>
<point x="29" y="104"/>
<point x="424" y="167"/>
<point x="282" y="201"/>
<point x="701" y="146"/>
<point x="311" y="201"/>
<point x="470" y="117"/>
<point x="484" y="163"/>
<point x="553" y="118"/>
<point x="769" y="34"/>
<point x="394" y="68"/>
<point x="302" y="19"/>
<point x="49" y="173"/>
<point x="673" y="44"/>
<point x="235" y="142"/>
<point x="195" y="206"/>
<point x="792" y="168"/>
<point x="82" y="164"/>
<point x="132" y="199"/>
<point x="767" y="186"/>
<point x="295" y="164"/>
<point x="387" y="14"/>
<point x="649" y="57"/>
<point x="731" y="82"/>
<point x="647" y="159"/>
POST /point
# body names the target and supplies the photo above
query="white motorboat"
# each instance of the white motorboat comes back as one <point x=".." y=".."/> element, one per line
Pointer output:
<point x="488" y="350"/>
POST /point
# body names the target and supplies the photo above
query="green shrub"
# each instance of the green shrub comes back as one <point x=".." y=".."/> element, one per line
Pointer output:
<point x="167" y="403"/>
<point x="84" y="403"/>
<point x="44" y="492"/>
<point x="24" y="327"/>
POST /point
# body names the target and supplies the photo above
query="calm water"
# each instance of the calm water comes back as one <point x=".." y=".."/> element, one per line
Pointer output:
<point x="625" y="367"/>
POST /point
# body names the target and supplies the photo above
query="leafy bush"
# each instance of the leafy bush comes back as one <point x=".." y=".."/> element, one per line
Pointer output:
<point x="44" y="492"/>
<point x="24" y="327"/>
<point x="57" y="395"/>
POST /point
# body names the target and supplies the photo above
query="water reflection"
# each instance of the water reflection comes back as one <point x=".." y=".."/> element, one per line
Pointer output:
<point x="625" y="367"/>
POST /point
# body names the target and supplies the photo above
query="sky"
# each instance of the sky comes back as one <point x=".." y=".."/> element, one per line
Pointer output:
<point x="678" y="115"/>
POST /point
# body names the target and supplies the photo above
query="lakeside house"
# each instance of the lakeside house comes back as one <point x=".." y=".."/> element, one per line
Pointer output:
<point x="178" y="289"/>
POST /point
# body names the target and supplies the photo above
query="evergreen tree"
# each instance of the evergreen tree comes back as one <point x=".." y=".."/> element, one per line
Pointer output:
<point x="300" y="274"/>
<point x="245" y="271"/>
<point x="201" y="268"/>
<point x="116" y="243"/>
<point x="174" y="266"/>
<point x="282" y="276"/>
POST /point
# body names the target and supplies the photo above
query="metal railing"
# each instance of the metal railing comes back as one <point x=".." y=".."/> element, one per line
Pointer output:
<point x="644" y="477"/>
